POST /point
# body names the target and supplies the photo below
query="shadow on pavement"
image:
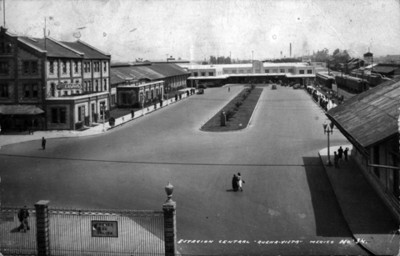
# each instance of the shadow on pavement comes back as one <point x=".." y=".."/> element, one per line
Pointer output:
<point x="328" y="216"/>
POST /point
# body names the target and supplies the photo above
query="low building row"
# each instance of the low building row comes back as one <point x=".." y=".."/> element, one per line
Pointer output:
<point x="371" y="122"/>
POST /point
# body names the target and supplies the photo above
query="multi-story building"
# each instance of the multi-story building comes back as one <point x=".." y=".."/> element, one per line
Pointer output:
<point x="46" y="84"/>
<point x="257" y="71"/>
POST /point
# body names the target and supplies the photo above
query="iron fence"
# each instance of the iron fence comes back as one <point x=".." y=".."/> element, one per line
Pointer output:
<point x="106" y="232"/>
<point x="86" y="232"/>
<point x="12" y="240"/>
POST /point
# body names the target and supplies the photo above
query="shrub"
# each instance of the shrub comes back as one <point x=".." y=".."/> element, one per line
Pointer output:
<point x="238" y="103"/>
<point x="230" y="114"/>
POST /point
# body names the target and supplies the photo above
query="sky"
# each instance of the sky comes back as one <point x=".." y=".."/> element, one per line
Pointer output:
<point x="196" y="29"/>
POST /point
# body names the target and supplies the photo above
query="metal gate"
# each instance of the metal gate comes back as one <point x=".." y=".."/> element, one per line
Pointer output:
<point x="12" y="241"/>
<point x="106" y="232"/>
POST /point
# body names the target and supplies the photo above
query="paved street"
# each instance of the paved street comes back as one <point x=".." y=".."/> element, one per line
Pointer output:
<point x="287" y="207"/>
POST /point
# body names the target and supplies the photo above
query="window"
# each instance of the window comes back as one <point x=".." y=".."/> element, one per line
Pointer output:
<point x="64" y="67"/>
<point x="274" y="71"/>
<point x="59" y="115"/>
<point x="4" y="68"/>
<point x="31" y="90"/>
<point x="27" y="90"/>
<point x="195" y="73"/>
<point x="290" y="70"/>
<point x="87" y="67"/>
<point x="35" y="91"/>
<point x="309" y="71"/>
<point x="233" y="71"/>
<point x="51" y="67"/>
<point x="105" y="66"/>
<point x="34" y="67"/>
<point x="53" y="89"/>
<point x="25" y="67"/>
<point x="301" y="71"/>
<point x="5" y="47"/>
<point x="76" y="67"/>
<point x="282" y="71"/>
<point x="211" y="73"/>
<point x="267" y="71"/>
<point x="30" y="67"/>
<point x="96" y="66"/>
<point x="203" y="73"/>
<point x="4" y="91"/>
<point x="105" y="84"/>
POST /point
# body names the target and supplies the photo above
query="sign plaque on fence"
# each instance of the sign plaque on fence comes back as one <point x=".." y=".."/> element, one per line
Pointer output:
<point x="101" y="228"/>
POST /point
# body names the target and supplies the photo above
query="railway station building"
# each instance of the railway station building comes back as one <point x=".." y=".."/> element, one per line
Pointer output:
<point x="139" y="84"/>
<point x="371" y="122"/>
<point x="47" y="84"/>
<point x="256" y="72"/>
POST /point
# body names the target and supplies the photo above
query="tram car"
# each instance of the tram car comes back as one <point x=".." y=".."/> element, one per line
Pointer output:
<point x="325" y="80"/>
<point x="352" y="84"/>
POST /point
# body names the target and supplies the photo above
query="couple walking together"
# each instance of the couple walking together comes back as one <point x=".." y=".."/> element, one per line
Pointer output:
<point x="237" y="182"/>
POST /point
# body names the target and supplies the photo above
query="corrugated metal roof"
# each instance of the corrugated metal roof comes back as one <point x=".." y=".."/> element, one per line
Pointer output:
<point x="88" y="51"/>
<point x="369" y="117"/>
<point x="152" y="72"/>
<point x="168" y="69"/>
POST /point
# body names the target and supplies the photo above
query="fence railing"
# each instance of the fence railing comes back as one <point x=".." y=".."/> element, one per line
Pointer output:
<point x="86" y="232"/>
<point x="13" y="241"/>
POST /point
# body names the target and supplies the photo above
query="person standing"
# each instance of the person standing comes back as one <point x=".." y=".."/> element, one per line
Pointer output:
<point x="346" y="154"/>
<point x="240" y="182"/>
<point x="340" y="153"/>
<point x="336" y="160"/>
<point x="235" y="183"/>
<point x="23" y="215"/>
<point x="43" y="143"/>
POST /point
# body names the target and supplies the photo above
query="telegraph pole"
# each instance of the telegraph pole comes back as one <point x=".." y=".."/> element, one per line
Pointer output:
<point x="4" y="13"/>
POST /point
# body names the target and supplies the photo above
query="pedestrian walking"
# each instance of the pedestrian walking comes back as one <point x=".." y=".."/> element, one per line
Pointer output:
<point x="229" y="88"/>
<point x="240" y="182"/>
<point x="43" y="143"/>
<point x="235" y="184"/>
<point x="336" y="160"/>
<point x="23" y="215"/>
<point x="346" y="154"/>
<point x="340" y="153"/>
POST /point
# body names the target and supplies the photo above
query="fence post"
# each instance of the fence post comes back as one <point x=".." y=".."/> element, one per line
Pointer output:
<point x="42" y="228"/>
<point x="169" y="208"/>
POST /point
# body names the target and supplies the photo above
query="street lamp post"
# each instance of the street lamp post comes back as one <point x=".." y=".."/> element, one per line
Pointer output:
<point x="328" y="129"/>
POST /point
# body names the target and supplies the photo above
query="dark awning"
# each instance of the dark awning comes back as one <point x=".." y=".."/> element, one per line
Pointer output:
<point x="20" y="110"/>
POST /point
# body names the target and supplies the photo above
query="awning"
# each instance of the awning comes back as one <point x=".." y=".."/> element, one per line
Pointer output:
<point x="20" y="110"/>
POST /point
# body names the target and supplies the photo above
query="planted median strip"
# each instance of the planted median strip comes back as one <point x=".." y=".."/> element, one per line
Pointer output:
<point x="237" y="112"/>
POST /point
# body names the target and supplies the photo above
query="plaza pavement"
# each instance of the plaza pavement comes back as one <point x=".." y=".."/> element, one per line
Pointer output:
<point x="371" y="223"/>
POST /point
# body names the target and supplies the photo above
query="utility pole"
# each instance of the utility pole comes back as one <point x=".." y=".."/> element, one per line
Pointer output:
<point x="4" y="13"/>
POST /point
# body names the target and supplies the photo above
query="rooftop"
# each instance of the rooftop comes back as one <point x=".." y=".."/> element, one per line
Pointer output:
<point x="370" y="117"/>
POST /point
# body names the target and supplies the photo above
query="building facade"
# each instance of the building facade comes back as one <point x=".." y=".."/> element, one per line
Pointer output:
<point x="51" y="85"/>
<point x="139" y="84"/>
<point x="370" y="121"/>
<point x="256" y="71"/>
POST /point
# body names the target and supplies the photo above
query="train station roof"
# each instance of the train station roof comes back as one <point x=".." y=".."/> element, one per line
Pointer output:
<point x="151" y="72"/>
<point x="370" y="117"/>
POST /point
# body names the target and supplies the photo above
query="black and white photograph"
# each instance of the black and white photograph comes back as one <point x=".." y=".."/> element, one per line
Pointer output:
<point x="199" y="127"/>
